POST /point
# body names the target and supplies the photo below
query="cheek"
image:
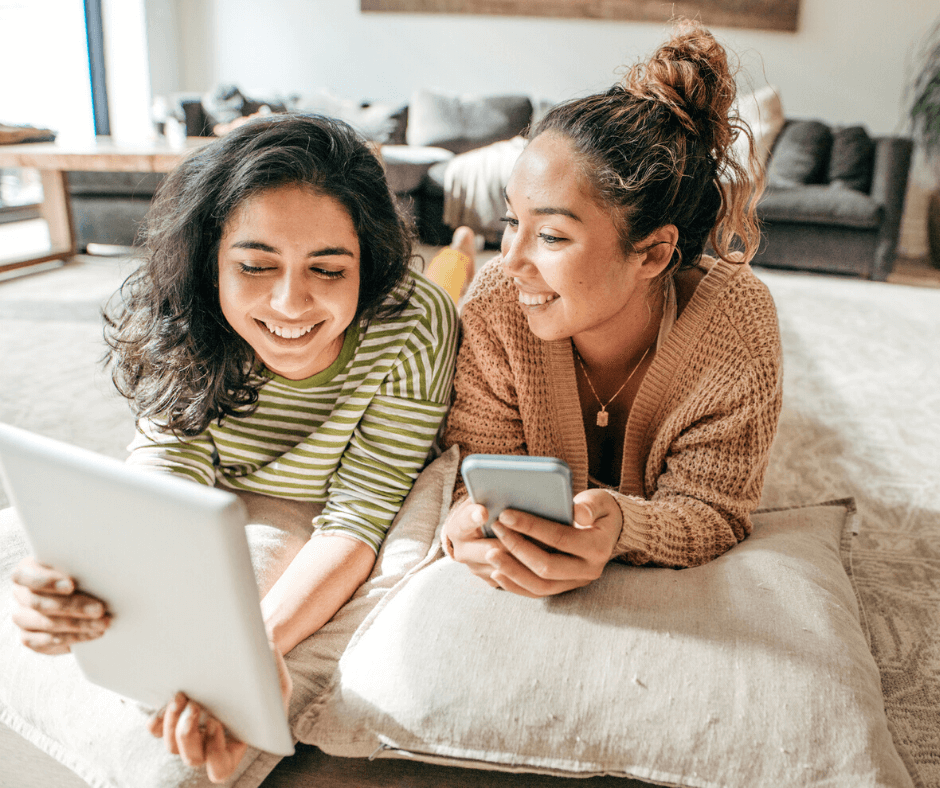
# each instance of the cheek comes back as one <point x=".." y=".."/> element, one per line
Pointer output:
<point x="235" y="296"/>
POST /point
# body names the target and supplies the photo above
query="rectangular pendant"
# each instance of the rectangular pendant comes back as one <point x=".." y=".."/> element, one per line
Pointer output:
<point x="602" y="418"/>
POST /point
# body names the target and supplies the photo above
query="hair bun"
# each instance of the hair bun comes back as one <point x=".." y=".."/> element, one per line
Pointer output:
<point x="689" y="74"/>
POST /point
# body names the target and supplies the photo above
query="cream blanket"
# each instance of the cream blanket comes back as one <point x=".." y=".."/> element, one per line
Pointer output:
<point x="474" y="184"/>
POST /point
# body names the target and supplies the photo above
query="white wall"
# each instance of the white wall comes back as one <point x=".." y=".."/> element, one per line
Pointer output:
<point x="847" y="63"/>
<point x="44" y="78"/>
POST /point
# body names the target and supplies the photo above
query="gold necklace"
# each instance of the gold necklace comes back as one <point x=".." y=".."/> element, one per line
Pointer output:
<point x="602" y="415"/>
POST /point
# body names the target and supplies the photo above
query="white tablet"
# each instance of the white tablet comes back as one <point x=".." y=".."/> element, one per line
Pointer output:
<point x="170" y="559"/>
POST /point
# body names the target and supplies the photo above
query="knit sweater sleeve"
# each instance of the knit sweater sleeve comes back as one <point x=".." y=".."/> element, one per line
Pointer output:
<point x="711" y="476"/>
<point x="484" y="417"/>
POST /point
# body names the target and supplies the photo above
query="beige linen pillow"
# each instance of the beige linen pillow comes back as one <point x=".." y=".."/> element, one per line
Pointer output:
<point x="101" y="736"/>
<point x="752" y="670"/>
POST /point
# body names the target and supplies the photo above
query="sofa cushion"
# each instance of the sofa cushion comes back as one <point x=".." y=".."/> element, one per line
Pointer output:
<point x="801" y="154"/>
<point x="821" y="204"/>
<point x="461" y="123"/>
<point x="381" y="122"/>
<point x="752" y="670"/>
<point x="852" y="160"/>
<point x="406" y="165"/>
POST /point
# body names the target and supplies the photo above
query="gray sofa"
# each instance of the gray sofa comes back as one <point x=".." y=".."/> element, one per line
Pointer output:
<point x="834" y="200"/>
<point x="433" y="127"/>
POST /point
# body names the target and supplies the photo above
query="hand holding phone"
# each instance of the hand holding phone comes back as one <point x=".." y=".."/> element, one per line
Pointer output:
<point x="537" y="485"/>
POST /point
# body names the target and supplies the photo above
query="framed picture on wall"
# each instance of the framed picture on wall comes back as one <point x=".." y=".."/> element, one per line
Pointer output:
<point x="762" y="14"/>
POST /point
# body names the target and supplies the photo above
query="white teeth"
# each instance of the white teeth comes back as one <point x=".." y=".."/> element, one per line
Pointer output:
<point x="286" y="332"/>
<point x="535" y="299"/>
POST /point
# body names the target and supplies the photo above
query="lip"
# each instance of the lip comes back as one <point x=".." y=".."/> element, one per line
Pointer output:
<point x="534" y="298"/>
<point x="285" y="333"/>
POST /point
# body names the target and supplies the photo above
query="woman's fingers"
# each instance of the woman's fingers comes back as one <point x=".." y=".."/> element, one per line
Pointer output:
<point x="197" y="737"/>
<point x="190" y="735"/>
<point x="51" y="623"/>
<point x="223" y="751"/>
<point x="39" y="577"/>
<point x="537" y="557"/>
<point x="464" y="531"/>
<point x="49" y="612"/>
<point x="73" y="606"/>
<point x="171" y="716"/>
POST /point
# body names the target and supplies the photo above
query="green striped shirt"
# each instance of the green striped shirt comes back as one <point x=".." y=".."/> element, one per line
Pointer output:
<point x="354" y="436"/>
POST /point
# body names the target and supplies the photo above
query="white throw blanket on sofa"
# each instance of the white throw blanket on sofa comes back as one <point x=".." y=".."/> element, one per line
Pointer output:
<point x="474" y="184"/>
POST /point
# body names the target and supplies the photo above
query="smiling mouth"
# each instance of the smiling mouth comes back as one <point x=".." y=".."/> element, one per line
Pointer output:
<point x="536" y="299"/>
<point x="287" y="332"/>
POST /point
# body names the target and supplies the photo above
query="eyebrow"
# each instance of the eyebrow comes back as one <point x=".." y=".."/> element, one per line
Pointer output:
<point x="549" y="211"/>
<point x="260" y="246"/>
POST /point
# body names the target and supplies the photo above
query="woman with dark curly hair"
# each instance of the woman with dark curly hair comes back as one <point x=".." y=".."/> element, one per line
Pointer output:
<point x="273" y="341"/>
<point x="604" y="335"/>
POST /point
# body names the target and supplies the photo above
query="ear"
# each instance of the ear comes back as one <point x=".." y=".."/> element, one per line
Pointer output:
<point x="658" y="248"/>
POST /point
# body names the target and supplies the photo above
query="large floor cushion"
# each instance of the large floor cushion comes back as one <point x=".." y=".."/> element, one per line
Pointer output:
<point x="752" y="670"/>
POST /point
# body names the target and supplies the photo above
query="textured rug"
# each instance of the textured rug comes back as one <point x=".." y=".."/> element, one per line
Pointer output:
<point x="861" y="418"/>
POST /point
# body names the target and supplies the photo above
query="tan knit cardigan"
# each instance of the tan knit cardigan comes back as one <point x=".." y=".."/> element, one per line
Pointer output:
<point x="699" y="432"/>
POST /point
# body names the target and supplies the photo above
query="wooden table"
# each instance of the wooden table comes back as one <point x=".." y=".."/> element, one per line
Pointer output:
<point x="54" y="160"/>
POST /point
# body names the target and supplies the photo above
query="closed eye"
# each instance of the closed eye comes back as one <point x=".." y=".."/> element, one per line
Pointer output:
<point x="246" y="268"/>
<point x="327" y="274"/>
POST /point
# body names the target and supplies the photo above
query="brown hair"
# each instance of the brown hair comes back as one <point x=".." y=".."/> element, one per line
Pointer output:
<point x="656" y="149"/>
<point x="171" y="350"/>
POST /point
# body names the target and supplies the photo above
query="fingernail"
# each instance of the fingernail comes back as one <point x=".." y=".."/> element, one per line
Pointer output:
<point x="498" y="528"/>
<point x="507" y="517"/>
<point x="93" y="609"/>
<point x="477" y="516"/>
<point x="63" y="586"/>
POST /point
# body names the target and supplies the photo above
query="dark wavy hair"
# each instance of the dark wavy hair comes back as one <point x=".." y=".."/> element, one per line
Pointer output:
<point x="171" y="351"/>
<point x="657" y="150"/>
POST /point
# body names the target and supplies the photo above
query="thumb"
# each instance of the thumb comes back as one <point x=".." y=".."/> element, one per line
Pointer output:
<point x="584" y="514"/>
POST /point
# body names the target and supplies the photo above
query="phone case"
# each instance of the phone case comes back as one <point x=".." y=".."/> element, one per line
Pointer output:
<point x="538" y="485"/>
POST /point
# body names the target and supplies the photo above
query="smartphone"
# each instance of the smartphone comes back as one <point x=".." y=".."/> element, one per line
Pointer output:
<point x="538" y="485"/>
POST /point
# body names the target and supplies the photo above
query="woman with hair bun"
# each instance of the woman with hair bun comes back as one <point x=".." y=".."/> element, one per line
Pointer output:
<point x="604" y="335"/>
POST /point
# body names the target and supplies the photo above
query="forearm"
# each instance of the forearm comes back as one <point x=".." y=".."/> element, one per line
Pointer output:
<point x="677" y="532"/>
<point x="319" y="581"/>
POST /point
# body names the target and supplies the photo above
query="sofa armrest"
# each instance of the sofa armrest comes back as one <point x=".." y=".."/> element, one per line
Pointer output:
<point x="889" y="186"/>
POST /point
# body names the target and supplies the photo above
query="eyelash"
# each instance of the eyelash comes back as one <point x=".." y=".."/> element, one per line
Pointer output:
<point x="252" y="270"/>
<point x="551" y="240"/>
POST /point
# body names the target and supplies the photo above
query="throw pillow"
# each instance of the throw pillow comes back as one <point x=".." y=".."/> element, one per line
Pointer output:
<point x="763" y="113"/>
<point x="852" y="161"/>
<point x="750" y="670"/>
<point x="801" y="154"/>
<point x="461" y="123"/>
<point x="101" y="736"/>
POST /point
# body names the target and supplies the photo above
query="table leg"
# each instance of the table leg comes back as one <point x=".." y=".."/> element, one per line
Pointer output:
<point x="57" y="213"/>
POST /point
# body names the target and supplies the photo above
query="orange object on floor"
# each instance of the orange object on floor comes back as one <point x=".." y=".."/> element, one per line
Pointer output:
<point x="452" y="270"/>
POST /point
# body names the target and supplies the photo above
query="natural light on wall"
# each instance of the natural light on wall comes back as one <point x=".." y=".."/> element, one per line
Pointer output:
<point x="128" y="69"/>
<point x="44" y="60"/>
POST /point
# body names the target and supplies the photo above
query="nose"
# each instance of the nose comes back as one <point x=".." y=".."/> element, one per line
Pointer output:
<point x="515" y="254"/>
<point x="290" y="294"/>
